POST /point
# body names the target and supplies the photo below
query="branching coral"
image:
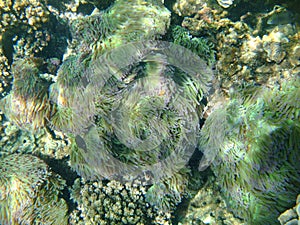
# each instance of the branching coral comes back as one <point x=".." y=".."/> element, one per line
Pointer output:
<point x="30" y="192"/>
<point x="28" y="29"/>
<point x="111" y="202"/>
<point x="257" y="150"/>
<point x="20" y="16"/>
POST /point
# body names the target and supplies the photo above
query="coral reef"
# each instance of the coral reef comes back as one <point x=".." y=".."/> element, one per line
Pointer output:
<point x="29" y="28"/>
<point x="30" y="192"/>
<point x="5" y="75"/>
<point x="42" y="142"/>
<point x="188" y="7"/>
<point x="84" y="96"/>
<point x="125" y="111"/>
<point x="251" y="48"/>
<point x="255" y="152"/>
<point x="111" y="202"/>
<point x="22" y="16"/>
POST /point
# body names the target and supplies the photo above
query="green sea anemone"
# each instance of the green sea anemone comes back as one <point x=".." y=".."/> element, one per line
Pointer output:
<point x="254" y="149"/>
<point x="137" y="118"/>
<point x="138" y="115"/>
<point x="30" y="192"/>
<point x="126" y="21"/>
<point x="66" y="93"/>
<point x="198" y="45"/>
<point x="28" y="103"/>
<point x="136" y="108"/>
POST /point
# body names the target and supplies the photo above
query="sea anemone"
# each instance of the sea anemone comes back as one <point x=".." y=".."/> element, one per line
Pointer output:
<point x="143" y="117"/>
<point x="144" y="114"/>
<point x="28" y="104"/>
<point x="255" y="152"/>
<point x="30" y="192"/>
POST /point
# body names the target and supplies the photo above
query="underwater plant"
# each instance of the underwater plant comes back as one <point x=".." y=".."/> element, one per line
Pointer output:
<point x="30" y="192"/>
<point x="253" y="145"/>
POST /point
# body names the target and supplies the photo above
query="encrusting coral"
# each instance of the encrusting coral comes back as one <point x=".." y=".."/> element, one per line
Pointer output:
<point x="252" y="47"/>
<point x="253" y="144"/>
<point x="208" y="206"/>
<point x="30" y="192"/>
